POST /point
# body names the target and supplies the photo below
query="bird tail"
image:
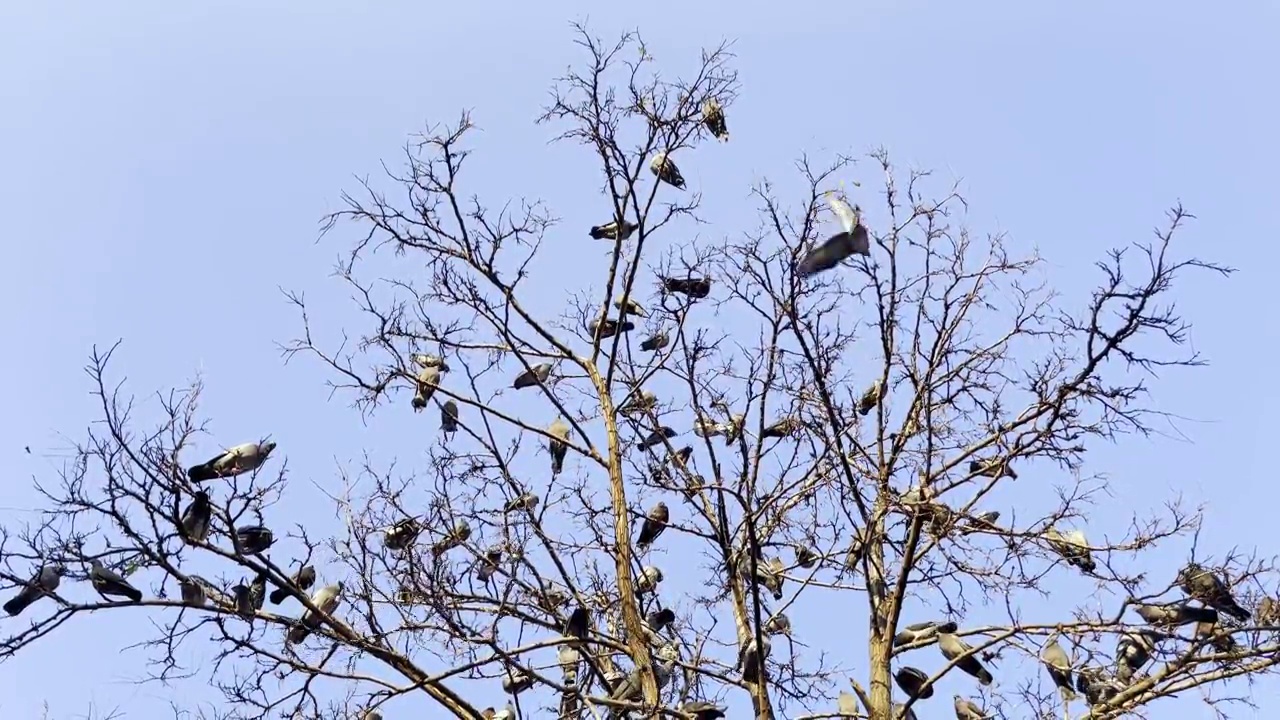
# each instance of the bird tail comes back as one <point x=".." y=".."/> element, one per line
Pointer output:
<point x="19" y="603"/>
<point x="200" y="473"/>
<point x="132" y="593"/>
<point x="1237" y="612"/>
<point x="984" y="677"/>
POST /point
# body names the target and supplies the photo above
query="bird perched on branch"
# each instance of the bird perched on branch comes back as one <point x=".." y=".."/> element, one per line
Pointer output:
<point x="243" y="458"/>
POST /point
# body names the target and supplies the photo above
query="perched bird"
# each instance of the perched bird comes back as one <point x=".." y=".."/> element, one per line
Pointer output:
<point x="733" y="430"/>
<point x="958" y="651"/>
<point x="303" y="580"/>
<point x="666" y="171"/>
<point x="533" y="377"/>
<point x="912" y="682"/>
<point x="1097" y="686"/>
<point x="852" y="239"/>
<point x="569" y="658"/>
<point x="922" y="631"/>
<point x="401" y="534"/>
<point x="426" y="360"/>
<point x="770" y="575"/>
<point x="713" y="118"/>
<point x="778" y="624"/>
<point x="458" y="535"/>
<point x="992" y="468"/>
<point x="516" y="681"/>
<point x="654" y="523"/>
<point x="326" y="600"/>
<point x="871" y="398"/>
<point x="488" y="564"/>
<point x="1176" y="614"/>
<point x="857" y="551"/>
<point x="1133" y="650"/>
<point x="425" y="385"/>
<point x="639" y="403"/>
<point x="1073" y="546"/>
<point x="751" y="660"/>
<point x="805" y="557"/>
<point x="655" y="342"/>
<point x="696" y="288"/>
<point x="258" y="591"/>
<point x="371" y="715"/>
<point x="45" y="582"/>
<point x="238" y="460"/>
<point x="966" y="710"/>
<point x="1268" y="613"/>
<point x="506" y="713"/>
<point x="193" y="591"/>
<point x="578" y="624"/>
<point x="656" y="437"/>
<point x="702" y="710"/>
<point x="1219" y="637"/>
<point x="608" y="327"/>
<point x="449" y="417"/>
<point x="195" y="518"/>
<point x="786" y="427"/>
<point x="1207" y="587"/>
<point x="630" y="307"/>
<point x="631" y="689"/>
<point x="680" y="458"/>
<point x="613" y="230"/>
<point x="525" y="501"/>
<point x="649" y="578"/>
<point x="985" y="521"/>
<point x="558" y="444"/>
<point x="110" y="584"/>
<point x="1057" y="662"/>
<point x="661" y="619"/>
<point x="243" y="600"/>
<point x="847" y="704"/>
<point x="254" y="539"/>
<point x="705" y="427"/>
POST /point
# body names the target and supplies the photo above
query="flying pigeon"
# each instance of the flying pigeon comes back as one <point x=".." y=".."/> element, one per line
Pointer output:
<point x="110" y="584"/>
<point x="871" y="398"/>
<point x="1176" y="614"/>
<point x="702" y="710"/>
<point x="193" y="591"/>
<point x="649" y="578"/>
<point x="449" y="417"/>
<point x="966" y="710"/>
<point x="656" y="437"/>
<point x="992" y="468"/>
<point x="401" y="534"/>
<point x="1073" y="547"/>
<point x="195" y="518"/>
<point x="953" y="648"/>
<point x="655" y="342"/>
<point x="558" y="444"/>
<point x="458" y="535"/>
<point x="921" y="631"/>
<point x="303" y="580"/>
<point x="532" y="377"/>
<point x="654" y="523"/>
<point x="912" y="682"/>
<point x="1207" y="587"/>
<point x="610" y="230"/>
<point x="238" y="460"/>
<point x="426" y="360"/>
<point x="608" y="327"/>
<point x="254" y="539"/>
<point x="1058" y="664"/>
<point x="426" y="383"/>
<point x="851" y="240"/>
<point x="44" y="583"/>
<point x="696" y="288"/>
<point x="666" y="170"/>
<point x="326" y="599"/>
<point x="713" y="118"/>
<point x="630" y="307"/>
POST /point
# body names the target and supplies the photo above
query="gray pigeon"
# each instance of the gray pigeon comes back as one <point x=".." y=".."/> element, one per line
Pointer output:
<point x="694" y="288"/>
<point x="966" y="710"/>
<point x="713" y="118"/>
<point x="871" y="398"/>
<point x="303" y="580"/>
<point x="238" y="460"/>
<point x="805" y="557"/>
<point x="449" y="417"/>
<point x="459" y="534"/>
<point x="608" y="327"/>
<point x="401" y="534"/>
<point x="912" y="682"/>
<point x="985" y="521"/>
<point x="847" y="704"/>
<point x="1133" y="650"/>
<point x="655" y="342"/>
<point x="1058" y="664"/>
<point x="786" y="427"/>
<point x="532" y="377"/>
<point x="656" y="437"/>
<point x="992" y="468"/>
<point x="243" y="600"/>
<point x="770" y="574"/>
<point x="110" y="584"/>
<point x="195" y="518"/>
<point x="902" y="712"/>
<point x="526" y="501"/>
<point x="654" y="523"/>
<point x="630" y="307"/>
<point x="258" y="591"/>
<point x="666" y="171"/>
<point x="852" y="239"/>
<point x="194" y="591"/>
<point x="45" y="582"/>
<point x="1176" y="614"/>
<point x="488" y="564"/>
<point x="751" y="660"/>
<point x="427" y="360"/>
<point x="1073" y="546"/>
<point x="326" y="599"/>
<point x="922" y="631"/>
<point x="778" y="624"/>
<point x="569" y="658"/>
<point x="639" y="403"/>
<point x="631" y="689"/>
<point x="613" y="230"/>
<point x="660" y="620"/>
<point x="516" y="681"/>
<point x="649" y="578"/>
<point x="558" y="444"/>
<point x="702" y="710"/>
<point x="425" y="386"/>
<point x="953" y="648"/>
<point x="254" y="539"/>
<point x="1207" y="587"/>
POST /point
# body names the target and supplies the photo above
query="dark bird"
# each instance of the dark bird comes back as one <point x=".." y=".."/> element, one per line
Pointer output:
<point x="487" y="565"/>
<point x="45" y="582"/>
<point x="751" y="660"/>
<point x="992" y="468"/>
<point x="243" y="600"/>
<point x="195" y="518"/>
<point x="1073" y="546"/>
<point x="458" y="535"/>
<point x="326" y="600"/>
<point x="110" y="584"/>
<point x="912" y="682"/>
<point x="713" y="118"/>
<point x="525" y="501"/>
<point x="303" y="580"/>
<point x="401" y="534"/>
<point x="659" y="620"/>
<point x="608" y="327"/>
<point x="194" y="591"/>
<point x="871" y="398"/>
<point x="1096" y="686"/>
<point x="238" y="460"/>
<point x="628" y="306"/>
<point x="655" y="342"/>
<point x="967" y="710"/>
<point x="558" y="444"/>
<point x="852" y="239"/>
<point x="425" y="386"/>
<point x="921" y="631"/>
<point x="258" y="591"/>
<point x="613" y="230"/>
<point x="702" y="710"/>
<point x="1058" y="664"/>
<point x="786" y="427"/>
<point x="578" y="624"/>
<point x="805" y="557"/>
<point x="958" y="651"/>
<point x="1207" y="587"/>
<point x="696" y="288"/>
<point x="254" y="539"/>
<point x="656" y="437"/>
<point x="666" y="170"/>
<point x="1176" y="614"/>
<point x="533" y="377"/>
<point x="654" y="523"/>
<point x="1133" y="650"/>
<point x="449" y="417"/>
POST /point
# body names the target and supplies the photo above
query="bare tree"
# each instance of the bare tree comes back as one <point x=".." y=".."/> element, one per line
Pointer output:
<point x="895" y="432"/>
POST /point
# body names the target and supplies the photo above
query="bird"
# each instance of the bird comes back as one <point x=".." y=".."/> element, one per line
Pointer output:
<point x="958" y="651"/>
<point x="1268" y="613"/>
<point x="902" y="712"/>
<point x="1133" y="650"/>
<point x="303" y="580"/>
<point x="713" y="118"/>
<point x="532" y="377"/>
<point x="985" y="521"/>
<point x="401" y="534"/>
<point x="1097" y="686"/>
<point x="702" y="710"/>
<point x="243" y="601"/>
<point x="449" y="417"/>
<point x="254" y="539"/>
<point x="751" y="659"/>
<point x="659" y="620"/>
<point x="733" y="430"/>
<point x="778" y="624"/>
<point x="613" y="230"/>
<point x="1207" y="587"/>
<point x="992" y="468"/>
<point x="371" y="715"/>
<point x="558" y="444"/>
<point x="110" y="584"/>
<point x="639" y="403"/>
<point x="627" y="306"/>
<point x="487" y="565"/>
<point x="805" y="557"/>
<point x="852" y="239"/>
<point x="1058" y="664"/>
<point x="45" y="582"/>
<point x="608" y="327"/>
<point x="770" y="575"/>
<point x="516" y="681"/>
<point x="1176" y="614"/>
<point x="427" y="360"/>
<point x="1073" y="547"/>
<point x="425" y="386"/>
<point x="656" y="437"/>
<point x="506" y="713"/>
<point x="680" y="458"/>
<point x="666" y="171"/>
<point x="326" y="600"/>
<point x="921" y="631"/>
<point x="459" y="534"/>
<point x="705" y="427"/>
<point x="525" y="501"/>
<point x="871" y="398"/>
<point x="243" y="458"/>
<point x="655" y="342"/>
<point x="258" y="591"/>
<point x="195" y="518"/>
<point x="913" y="681"/>
<point x="569" y="657"/>
<point x="967" y="710"/>
<point x="786" y="427"/>
<point x="630" y="688"/>
<point x="654" y="523"/>
<point x="193" y="591"/>
<point x="649" y="578"/>
<point x="578" y="624"/>
<point x="847" y="704"/>
<point x="696" y="288"/>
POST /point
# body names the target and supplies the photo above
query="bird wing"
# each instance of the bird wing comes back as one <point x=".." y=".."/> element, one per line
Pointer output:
<point x="848" y="219"/>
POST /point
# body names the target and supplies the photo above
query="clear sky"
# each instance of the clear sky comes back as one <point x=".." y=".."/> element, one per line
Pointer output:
<point x="163" y="167"/>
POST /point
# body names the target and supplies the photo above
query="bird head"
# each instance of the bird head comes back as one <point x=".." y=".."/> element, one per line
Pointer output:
<point x="266" y="446"/>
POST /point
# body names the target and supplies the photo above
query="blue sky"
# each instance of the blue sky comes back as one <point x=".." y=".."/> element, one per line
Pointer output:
<point x="164" y="168"/>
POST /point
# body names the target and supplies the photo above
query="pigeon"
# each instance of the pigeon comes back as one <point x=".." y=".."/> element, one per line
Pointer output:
<point x="778" y="624"/>
<point x="195" y="518"/>
<point x="871" y="398"/>
<point x="254" y="539"/>
<point x="426" y="383"/>
<point x="654" y="523"/>
<point x="912" y="682"/>
<point x="655" y="342"/>
<point x="558" y="444"/>
<point x="1073" y="547"/>
<point x="1176" y="614"/>
<point x="258" y="591"/>
<point x="628" y="306"/>
<point x="649" y="578"/>
<point x="569" y="657"/>
<point x="770" y="575"/>
<point x="702" y="710"/>
<point x="371" y="715"/>
<point x="958" y="651"/>
<point x="656" y="437"/>
<point x="1268" y="613"/>
<point x="1220" y="638"/>
<point x="1207" y="587"/>
<point x="922" y="631"/>
<point x="516" y="681"/>
<point x="238" y="460"/>
<point x="193" y="591"/>
<point x="1058" y="664"/>
<point x="525" y="501"/>
<point x="578" y="623"/>
<point x="426" y="360"/>
<point x="533" y="377"/>
<point x="992" y="468"/>
<point x="751" y="660"/>
<point x="488" y="564"/>
<point x="110" y="584"/>
<point x="852" y="239"/>
<point x="326" y="600"/>
<point x="805" y="557"/>
<point x="303" y="580"/>
<point x="713" y="118"/>
<point x="458" y="535"/>
<point x="506" y="713"/>
<point x="847" y="704"/>
<point x="1133" y="650"/>
<point x="630" y="688"/>
<point x="613" y="230"/>
<point x="1097" y="686"/>
<point x="966" y="710"/>
<point x="985" y="521"/>
<point x="660" y="619"/>
<point x="707" y="428"/>
<point x="639" y="403"/>
<point x="857" y="551"/>
<point x="786" y="427"/>
<point x="449" y="417"/>
<point x="608" y="327"/>
<point x="243" y="600"/>
<point x="45" y="582"/>
<point x="401" y="534"/>
<point x="666" y="170"/>
<point x="696" y="288"/>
